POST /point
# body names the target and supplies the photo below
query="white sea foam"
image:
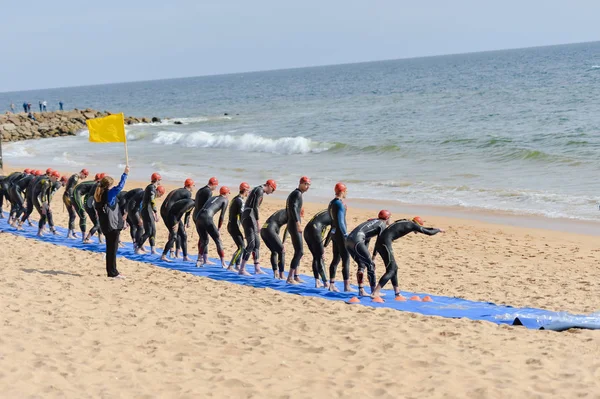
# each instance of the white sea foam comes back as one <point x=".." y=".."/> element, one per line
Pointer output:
<point x="64" y="160"/>
<point x="246" y="142"/>
<point x="18" y="150"/>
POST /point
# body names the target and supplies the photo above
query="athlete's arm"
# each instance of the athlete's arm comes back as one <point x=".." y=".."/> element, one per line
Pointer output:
<point x="341" y="214"/>
<point x="327" y="239"/>
<point x="223" y="208"/>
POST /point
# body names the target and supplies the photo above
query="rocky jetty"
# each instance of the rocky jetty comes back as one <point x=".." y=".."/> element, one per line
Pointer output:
<point x="16" y="127"/>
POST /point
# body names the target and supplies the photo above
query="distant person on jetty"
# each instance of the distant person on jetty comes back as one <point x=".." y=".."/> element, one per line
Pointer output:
<point x="30" y="116"/>
<point x="44" y="105"/>
<point x="294" y="208"/>
<point x="233" y="225"/>
<point x="60" y="105"/>
<point x="12" y="108"/>
<point x="69" y="202"/>
<point x="314" y="235"/>
<point x="269" y="232"/>
<point x="40" y="104"/>
<point x="250" y="223"/>
<point x="202" y="195"/>
<point x="28" y="107"/>
<point x="339" y="233"/>
<point x="173" y="208"/>
<point x="383" y="247"/>
<point x="206" y="226"/>
<point x="111" y="221"/>
<point x="357" y="244"/>
<point x="150" y="213"/>
<point x="25" y="107"/>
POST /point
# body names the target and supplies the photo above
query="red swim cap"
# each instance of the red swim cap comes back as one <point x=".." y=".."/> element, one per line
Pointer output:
<point x="384" y="214"/>
<point x="85" y="172"/>
<point x="213" y="181"/>
<point x="49" y="171"/>
<point x="272" y="184"/>
<point x="188" y="183"/>
<point x="418" y="220"/>
<point x="160" y="190"/>
<point x="304" y="179"/>
<point x="98" y="176"/>
<point x="63" y="179"/>
<point x="340" y="188"/>
<point x="28" y="171"/>
<point x="244" y="187"/>
<point x="224" y="190"/>
<point x="155" y="177"/>
<point x="38" y="172"/>
<point x="55" y="174"/>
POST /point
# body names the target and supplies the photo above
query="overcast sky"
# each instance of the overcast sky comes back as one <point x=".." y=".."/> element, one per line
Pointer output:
<point x="70" y="43"/>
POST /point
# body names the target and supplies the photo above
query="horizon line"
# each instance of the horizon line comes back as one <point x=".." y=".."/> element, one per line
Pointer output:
<point x="300" y="67"/>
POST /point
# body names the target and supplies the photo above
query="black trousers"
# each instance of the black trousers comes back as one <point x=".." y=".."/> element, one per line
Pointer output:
<point x="112" y="244"/>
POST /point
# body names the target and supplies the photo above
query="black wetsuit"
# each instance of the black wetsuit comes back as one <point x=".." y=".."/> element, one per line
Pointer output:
<point x="383" y="246"/>
<point x="173" y="197"/>
<point x="148" y="210"/>
<point x="134" y="205"/>
<point x="294" y="209"/>
<point x="357" y="245"/>
<point x="68" y="199"/>
<point x="5" y="184"/>
<point x="30" y="198"/>
<point x="337" y="212"/>
<point x="250" y="219"/>
<point x="17" y="195"/>
<point x="40" y="196"/>
<point x="90" y="209"/>
<point x="80" y="192"/>
<point x="202" y="195"/>
<point x="54" y="187"/>
<point x="172" y="217"/>
<point x="270" y="235"/>
<point x="233" y="227"/>
<point x="314" y="233"/>
<point x="206" y="225"/>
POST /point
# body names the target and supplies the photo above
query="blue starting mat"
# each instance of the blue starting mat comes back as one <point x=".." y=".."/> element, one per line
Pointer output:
<point x="438" y="306"/>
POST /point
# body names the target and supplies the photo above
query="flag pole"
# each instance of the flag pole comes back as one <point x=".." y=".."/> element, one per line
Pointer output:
<point x="126" y="152"/>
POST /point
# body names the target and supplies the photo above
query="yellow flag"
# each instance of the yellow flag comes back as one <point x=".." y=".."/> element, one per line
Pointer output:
<point x="110" y="129"/>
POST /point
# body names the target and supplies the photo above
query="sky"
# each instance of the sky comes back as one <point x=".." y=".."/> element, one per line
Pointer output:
<point x="49" y="44"/>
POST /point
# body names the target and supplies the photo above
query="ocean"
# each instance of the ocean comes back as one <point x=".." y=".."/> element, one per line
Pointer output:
<point x="515" y="130"/>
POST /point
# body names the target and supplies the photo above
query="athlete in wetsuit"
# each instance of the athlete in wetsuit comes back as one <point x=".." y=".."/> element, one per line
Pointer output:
<point x="169" y="213"/>
<point x="250" y="220"/>
<point x="202" y="195"/>
<point x="172" y="218"/>
<point x="69" y="202"/>
<point x="337" y="212"/>
<point x="269" y="233"/>
<point x="17" y="197"/>
<point x="5" y="185"/>
<point x="357" y="245"/>
<point x="80" y="192"/>
<point x="206" y="226"/>
<point x="149" y="213"/>
<point x="42" y="198"/>
<point x="133" y="206"/>
<point x="383" y="246"/>
<point x="233" y="224"/>
<point x="294" y="227"/>
<point x="29" y="206"/>
<point x="314" y="235"/>
<point x="89" y="206"/>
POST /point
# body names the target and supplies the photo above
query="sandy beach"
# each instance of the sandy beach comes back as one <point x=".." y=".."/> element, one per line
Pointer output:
<point x="68" y="331"/>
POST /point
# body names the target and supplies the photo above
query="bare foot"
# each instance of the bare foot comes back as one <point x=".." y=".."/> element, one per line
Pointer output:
<point x="186" y="259"/>
<point x="348" y="289"/>
<point x="298" y="280"/>
<point x="164" y="257"/>
<point x="199" y="264"/>
<point x="243" y="272"/>
<point x="291" y="281"/>
<point x="333" y="288"/>
<point x="362" y="292"/>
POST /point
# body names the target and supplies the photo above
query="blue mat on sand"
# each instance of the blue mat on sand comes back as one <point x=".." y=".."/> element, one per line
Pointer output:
<point x="440" y="305"/>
